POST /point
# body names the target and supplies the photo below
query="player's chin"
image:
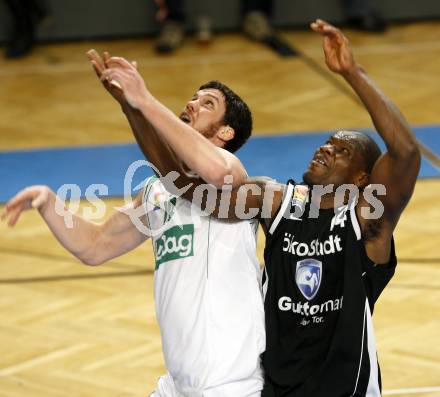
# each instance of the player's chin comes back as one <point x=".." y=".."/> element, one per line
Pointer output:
<point x="309" y="177"/>
<point x="313" y="175"/>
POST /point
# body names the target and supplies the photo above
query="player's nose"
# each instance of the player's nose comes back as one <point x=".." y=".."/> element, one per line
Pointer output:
<point x="193" y="106"/>
<point x="327" y="149"/>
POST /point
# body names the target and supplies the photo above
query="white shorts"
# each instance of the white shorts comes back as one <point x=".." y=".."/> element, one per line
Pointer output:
<point x="167" y="388"/>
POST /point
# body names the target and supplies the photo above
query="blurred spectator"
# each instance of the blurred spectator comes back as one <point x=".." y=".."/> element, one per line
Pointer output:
<point x="26" y="16"/>
<point x="172" y="15"/>
<point x="361" y="16"/>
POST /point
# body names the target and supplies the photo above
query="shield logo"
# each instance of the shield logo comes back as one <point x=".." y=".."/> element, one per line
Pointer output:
<point x="308" y="277"/>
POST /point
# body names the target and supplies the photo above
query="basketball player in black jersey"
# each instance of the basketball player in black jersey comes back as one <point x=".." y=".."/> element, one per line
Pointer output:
<point x="328" y="255"/>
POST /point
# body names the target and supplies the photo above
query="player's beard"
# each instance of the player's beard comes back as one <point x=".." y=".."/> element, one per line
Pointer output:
<point x="210" y="131"/>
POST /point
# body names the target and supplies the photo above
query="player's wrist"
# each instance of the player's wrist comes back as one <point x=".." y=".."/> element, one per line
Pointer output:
<point x="353" y="73"/>
<point x="146" y="104"/>
<point x="126" y="108"/>
<point x="48" y="202"/>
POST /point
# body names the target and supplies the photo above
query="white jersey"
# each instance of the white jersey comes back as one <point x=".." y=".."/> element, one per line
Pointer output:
<point x="208" y="299"/>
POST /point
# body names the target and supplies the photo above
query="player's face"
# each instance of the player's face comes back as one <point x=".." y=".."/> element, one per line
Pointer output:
<point x="339" y="161"/>
<point x="205" y="111"/>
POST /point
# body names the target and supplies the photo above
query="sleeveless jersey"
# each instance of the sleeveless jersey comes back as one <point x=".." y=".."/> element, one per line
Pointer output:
<point x="208" y="298"/>
<point x="321" y="290"/>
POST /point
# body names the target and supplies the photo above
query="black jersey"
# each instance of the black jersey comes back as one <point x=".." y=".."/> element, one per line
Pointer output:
<point x="320" y="291"/>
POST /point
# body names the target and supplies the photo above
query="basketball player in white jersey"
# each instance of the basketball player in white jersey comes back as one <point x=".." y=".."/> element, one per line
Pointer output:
<point x="207" y="278"/>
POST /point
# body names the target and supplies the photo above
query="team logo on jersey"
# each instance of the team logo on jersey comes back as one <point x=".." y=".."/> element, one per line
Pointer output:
<point x="308" y="277"/>
<point x="174" y="243"/>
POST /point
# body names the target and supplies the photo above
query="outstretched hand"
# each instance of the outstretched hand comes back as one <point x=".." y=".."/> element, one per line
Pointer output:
<point x="124" y="75"/>
<point x="100" y="64"/>
<point x="338" y="55"/>
<point x="31" y="197"/>
<point x="120" y="78"/>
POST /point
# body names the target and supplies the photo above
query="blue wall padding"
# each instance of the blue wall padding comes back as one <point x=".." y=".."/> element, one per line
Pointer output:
<point x="280" y="156"/>
<point x="430" y="137"/>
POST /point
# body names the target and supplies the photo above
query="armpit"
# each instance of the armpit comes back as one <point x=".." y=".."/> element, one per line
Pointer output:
<point x="372" y="229"/>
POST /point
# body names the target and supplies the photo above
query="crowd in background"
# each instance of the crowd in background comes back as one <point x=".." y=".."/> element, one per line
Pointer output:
<point x="27" y="15"/>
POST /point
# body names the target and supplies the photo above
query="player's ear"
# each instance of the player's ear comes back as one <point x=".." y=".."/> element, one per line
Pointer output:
<point x="226" y="133"/>
<point x="362" y="179"/>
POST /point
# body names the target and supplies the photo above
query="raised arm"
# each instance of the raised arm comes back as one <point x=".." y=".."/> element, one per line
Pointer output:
<point x="199" y="155"/>
<point x="259" y="195"/>
<point x="397" y="169"/>
<point x="91" y="243"/>
<point x="155" y="149"/>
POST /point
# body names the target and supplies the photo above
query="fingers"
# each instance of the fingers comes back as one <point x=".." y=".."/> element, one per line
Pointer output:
<point x="19" y="198"/>
<point x="109" y="74"/>
<point x="106" y="58"/>
<point x="14" y="215"/>
<point x="116" y="84"/>
<point x="3" y="214"/>
<point x="34" y="196"/>
<point x="327" y="44"/>
<point x="320" y="24"/>
<point x="332" y="35"/>
<point x="114" y="77"/>
<point x="96" y="60"/>
<point x="11" y="215"/>
<point x="323" y="27"/>
<point x="92" y="54"/>
<point x="96" y="68"/>
<point x="120" y="62"/>
<point x="315" y="27"/>
<point x="100" y="64"/>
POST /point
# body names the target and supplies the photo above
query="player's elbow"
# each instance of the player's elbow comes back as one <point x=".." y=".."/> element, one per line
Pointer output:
<point x="409" y="153"/>
<point x="219" y="175"/>
<point x="92" y="254"/>
<point x="91" y="257"/>
<point x="409" y="147"/>
<point x="413" y="155"/>
<point x="91" y="261"/>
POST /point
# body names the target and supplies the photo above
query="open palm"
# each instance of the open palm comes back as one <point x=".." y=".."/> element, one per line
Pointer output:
<point x="337" y="51"/>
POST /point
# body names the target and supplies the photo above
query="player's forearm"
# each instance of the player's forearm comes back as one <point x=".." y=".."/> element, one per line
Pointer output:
<point x="152" y="146"/>
<point x="388" y="120"/>
<point x="80" y="240"/>
<point x="191" y="147"/>
<point x="159" y="153"/>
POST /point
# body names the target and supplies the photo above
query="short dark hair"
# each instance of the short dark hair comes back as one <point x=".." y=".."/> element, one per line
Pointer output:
<point x="237" y="115"/>
<point x="370" y="151"/>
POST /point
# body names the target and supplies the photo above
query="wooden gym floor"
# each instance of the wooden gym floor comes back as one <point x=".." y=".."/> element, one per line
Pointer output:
<point x="69" y="330"/>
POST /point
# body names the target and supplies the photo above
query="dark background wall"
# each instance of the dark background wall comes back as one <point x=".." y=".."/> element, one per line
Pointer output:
<point x="82" y="19"/>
